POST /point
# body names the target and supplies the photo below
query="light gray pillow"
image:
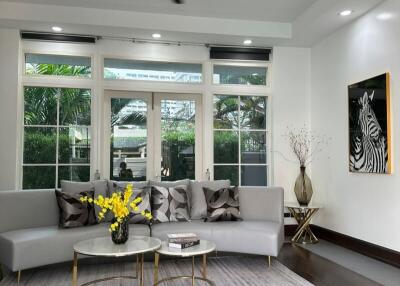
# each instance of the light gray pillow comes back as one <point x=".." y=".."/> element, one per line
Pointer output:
<point x="170" y="204"/>
<point x="100" y="188"/>
<point x="198" y="201"/>
<point x="113" y="185"/>
<point x="168" y="184"/>
<point x="139" y="189"/>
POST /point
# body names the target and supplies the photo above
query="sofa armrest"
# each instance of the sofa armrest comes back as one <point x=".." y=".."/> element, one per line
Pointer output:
<point x="261" y="203"/>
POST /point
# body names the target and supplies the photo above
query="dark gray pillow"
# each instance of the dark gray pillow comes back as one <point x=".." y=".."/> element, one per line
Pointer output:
<point x="144" y="205"/>
<point x="169" y="204"/>
<point x="74" y="212"/>
<point x="198" y="205"/>
<point x="223" y="204"/>
<point x="100" y="188"/>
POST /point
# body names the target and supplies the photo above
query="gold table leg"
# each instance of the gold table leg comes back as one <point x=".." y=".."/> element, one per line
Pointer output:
<point x="204" y="272"/>
<point x="156" y="263"/>
<point x="303" y="219"/>
<point x="142" y="270"/>
<point x="75" y="270"/>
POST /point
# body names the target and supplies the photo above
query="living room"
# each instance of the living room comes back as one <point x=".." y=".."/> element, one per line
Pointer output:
<point x="257" y="136"/>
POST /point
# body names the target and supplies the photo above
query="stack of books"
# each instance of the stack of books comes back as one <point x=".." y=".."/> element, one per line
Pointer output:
<point x="183" y="240"/>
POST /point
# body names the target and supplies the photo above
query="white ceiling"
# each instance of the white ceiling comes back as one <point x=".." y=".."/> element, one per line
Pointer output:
<point x="259" y="10"/>
<point x="266" y="22"/>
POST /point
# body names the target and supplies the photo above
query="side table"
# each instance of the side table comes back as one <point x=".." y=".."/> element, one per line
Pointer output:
<point x="303" y="216"/>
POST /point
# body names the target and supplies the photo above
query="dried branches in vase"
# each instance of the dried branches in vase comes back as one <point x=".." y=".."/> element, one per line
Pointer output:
<point x="305" y="144"/>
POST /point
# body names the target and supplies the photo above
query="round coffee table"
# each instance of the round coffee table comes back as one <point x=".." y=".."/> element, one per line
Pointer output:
<point x="104" y="247"/>
<point x="203" y="249"/>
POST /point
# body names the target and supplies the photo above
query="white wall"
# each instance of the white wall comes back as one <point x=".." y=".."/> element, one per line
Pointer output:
<point x="9" y="51"/>
<point x="360" y="205"/>
<point x="290" y="100"/>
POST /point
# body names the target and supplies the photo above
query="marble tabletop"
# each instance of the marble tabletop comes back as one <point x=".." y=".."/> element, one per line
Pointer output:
<point x="103" y="246"/>
<point x="204" y="247"/>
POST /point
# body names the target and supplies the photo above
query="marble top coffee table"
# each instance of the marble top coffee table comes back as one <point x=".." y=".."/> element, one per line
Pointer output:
<point x="202" y="249"/>
<point x="104" y="247"/>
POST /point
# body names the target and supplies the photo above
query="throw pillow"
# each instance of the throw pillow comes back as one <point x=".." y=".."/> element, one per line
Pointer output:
<point x="198" y="205"/>
<point x="144" y="205"/>
<point x="74" y="212"/>
<point x="222" y="205"/>
<point x="100" y="188"/>
<point x="170" y="204"/>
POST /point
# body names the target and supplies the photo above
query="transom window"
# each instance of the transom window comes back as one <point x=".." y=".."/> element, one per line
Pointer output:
<point x="152" y="71"/>
<point x="240" y="132"/>
<point x="58" y="65"/>
<point x="239" y="75"/>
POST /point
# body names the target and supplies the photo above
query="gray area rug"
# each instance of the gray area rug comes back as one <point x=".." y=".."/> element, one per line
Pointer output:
<point x="232" y="271"/>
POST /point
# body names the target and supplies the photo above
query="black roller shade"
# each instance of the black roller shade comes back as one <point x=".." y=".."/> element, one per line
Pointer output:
<point x="58" y="37"/>
<point x="230" y="53"/>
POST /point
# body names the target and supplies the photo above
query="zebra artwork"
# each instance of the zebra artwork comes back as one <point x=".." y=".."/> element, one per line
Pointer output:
<point x="369" y="150"/>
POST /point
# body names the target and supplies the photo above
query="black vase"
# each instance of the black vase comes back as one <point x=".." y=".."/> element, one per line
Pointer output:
<point x="121" y="233"/>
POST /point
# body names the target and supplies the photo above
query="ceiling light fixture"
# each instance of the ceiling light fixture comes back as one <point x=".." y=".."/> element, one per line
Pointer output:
<point x="346" y="13"/>
<point x="156" y="36"/>
<point x="56" y="29"/>
<point x="247" y="42"/>
<point x="384" y="16"/>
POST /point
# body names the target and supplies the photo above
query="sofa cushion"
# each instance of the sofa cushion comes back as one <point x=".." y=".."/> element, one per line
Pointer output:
<point x="74" y="212"/>
<point x="27" y="208"/>
<point x="223" y="204"/>
<point x="169" y="204"/>
<point x="33" y="247"/>
<point x="100" y="188"/>
<point x="253" y="237"/>
<point x="199" y="227"/>
<point x="168" y="184"/>
<point x="198" y="205"/>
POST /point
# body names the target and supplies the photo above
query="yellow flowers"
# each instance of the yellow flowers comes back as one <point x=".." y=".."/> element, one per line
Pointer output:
<point x="120" y="204"/>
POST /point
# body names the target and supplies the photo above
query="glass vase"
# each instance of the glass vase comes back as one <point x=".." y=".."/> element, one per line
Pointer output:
<point x="121" y="234"/>
<point x="303" y="187"/>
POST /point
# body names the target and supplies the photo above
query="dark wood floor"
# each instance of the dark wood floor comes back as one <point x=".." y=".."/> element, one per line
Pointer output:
<point x="319" y="270"/>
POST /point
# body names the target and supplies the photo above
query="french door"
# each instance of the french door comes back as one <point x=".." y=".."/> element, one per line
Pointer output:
<point x="153" y="136"/>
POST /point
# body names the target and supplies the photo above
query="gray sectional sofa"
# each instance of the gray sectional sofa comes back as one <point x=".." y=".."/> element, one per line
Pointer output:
<point x="30" y="236"/>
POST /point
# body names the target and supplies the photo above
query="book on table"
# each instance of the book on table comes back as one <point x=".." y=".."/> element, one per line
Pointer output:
<point x="183" y="240"/>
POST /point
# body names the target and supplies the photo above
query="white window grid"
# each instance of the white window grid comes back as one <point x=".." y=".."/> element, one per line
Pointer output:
<point x="57" y="164"/>
<point x="239" y="130"/>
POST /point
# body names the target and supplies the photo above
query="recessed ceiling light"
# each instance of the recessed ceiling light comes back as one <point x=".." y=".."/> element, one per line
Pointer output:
<point x="156" y="35"/>
<point x="247" y="42"/>
<point x="384" y="16"/>
<point x="346" y="13"/>
<point x="56" y="29"/>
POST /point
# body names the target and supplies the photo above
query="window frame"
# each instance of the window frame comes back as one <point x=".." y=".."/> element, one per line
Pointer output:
<point x="239" y="130"/>
<point x="242" y="63"/>
<point x="146" y="59"/>
<point x="56" y="81"/>
<point x="98" y="86"/>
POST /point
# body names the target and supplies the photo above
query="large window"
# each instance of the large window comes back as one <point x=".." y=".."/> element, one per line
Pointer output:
<point x="240" y="132"/>
<point x="56" y="136"/>
<point x="152" y="71"/>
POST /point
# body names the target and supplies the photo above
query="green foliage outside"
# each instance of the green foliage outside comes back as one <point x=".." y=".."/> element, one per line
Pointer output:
<point x="40" y="143"/>
<point x="41" y="104"/>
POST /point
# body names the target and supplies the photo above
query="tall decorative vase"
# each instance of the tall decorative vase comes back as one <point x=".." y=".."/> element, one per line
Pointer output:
<point x="121" y="234"/>
<point x="303" y="187"/>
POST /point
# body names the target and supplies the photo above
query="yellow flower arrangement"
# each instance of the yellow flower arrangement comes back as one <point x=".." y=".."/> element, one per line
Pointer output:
<point x="119" y="204"/>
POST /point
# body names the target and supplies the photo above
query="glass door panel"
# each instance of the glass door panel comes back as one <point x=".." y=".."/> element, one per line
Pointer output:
<point x="177" y="139"/>
<point x="128" y="148"/>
